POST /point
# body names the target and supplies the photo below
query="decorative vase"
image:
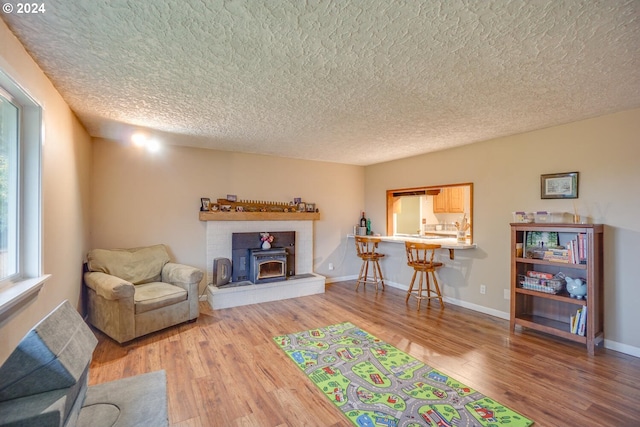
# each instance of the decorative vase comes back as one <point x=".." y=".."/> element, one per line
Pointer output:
<point x="266" y="245"/>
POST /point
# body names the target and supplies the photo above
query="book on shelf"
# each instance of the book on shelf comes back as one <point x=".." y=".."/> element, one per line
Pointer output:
<point x="578" y="322"/>
<point x="546" y="247"/>
<point x="558" y="255"/>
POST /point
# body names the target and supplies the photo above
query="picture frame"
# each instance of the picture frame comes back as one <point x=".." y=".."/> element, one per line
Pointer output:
<point x="311" y="207"/>
<point x="559" y="185"/>
<point x="302" y="207"/>
<point x="297" y="200"/>
<point x="232" y="198"/>
<point x="205" y="203"/>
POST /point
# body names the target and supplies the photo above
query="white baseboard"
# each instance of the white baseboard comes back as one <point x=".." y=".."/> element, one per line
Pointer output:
<point x="622" y="348"/>
<point x="341" y="279"/>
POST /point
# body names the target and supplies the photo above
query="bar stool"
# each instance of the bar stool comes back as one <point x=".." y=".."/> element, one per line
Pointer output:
<point x="420" y="257"/>
<point x="366" y="248"/>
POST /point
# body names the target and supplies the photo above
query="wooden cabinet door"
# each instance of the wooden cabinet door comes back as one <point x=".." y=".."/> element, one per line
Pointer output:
<point x="440" y="202"/>
<point x="450" y="200"/>
<point x="455" y="196"/>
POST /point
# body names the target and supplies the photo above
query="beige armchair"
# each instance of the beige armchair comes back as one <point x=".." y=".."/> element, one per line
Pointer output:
<point x="133" y="292"/>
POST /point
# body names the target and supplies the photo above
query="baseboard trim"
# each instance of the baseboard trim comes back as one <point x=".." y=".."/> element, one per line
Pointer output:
<point x="622" y="348"/>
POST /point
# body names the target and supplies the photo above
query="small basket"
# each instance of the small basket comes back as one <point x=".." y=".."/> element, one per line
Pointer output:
<point x="548" y="286"/>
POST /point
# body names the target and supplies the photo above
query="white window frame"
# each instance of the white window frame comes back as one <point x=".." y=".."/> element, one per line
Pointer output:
<point x="29" y="279"/>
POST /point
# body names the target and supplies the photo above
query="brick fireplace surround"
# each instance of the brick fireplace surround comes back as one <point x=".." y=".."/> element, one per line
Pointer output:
<point x="219" y="246"/>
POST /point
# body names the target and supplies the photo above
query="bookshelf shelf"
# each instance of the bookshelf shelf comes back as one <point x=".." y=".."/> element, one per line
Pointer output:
<point x="557" y="264"/>
<point x="550" y="313"/>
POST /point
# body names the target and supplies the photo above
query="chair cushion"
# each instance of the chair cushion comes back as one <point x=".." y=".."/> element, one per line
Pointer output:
<point x="53" y="355"/>
<point x="150" y="296"/>
<point x="137" y="265"/>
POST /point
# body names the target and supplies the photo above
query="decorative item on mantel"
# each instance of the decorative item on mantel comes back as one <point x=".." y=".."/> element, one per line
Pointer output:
<point x="266" y="240"/>
<point x="462" y="228"/>
<point x="232" y="204"/>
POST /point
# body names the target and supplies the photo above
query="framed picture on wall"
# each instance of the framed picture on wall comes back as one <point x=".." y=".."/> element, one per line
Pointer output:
<point x="559" y="185"/>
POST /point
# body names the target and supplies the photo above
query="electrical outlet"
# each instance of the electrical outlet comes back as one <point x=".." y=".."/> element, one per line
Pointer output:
<point x="330" y="266"/>
<point x="507" y="294"/>
<point x="483" y="289"/>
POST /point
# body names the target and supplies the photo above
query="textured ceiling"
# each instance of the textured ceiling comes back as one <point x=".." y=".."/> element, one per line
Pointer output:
<point x="357" y="82"/>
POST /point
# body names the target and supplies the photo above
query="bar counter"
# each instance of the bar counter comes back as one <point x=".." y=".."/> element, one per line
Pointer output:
<point x="449" y="243"/>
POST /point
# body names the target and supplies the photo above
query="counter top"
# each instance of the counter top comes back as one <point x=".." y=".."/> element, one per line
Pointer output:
<point x="445" y="243"/>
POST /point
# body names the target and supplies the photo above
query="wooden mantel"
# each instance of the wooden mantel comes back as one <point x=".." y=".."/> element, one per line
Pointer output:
<point x="258" y="216"/>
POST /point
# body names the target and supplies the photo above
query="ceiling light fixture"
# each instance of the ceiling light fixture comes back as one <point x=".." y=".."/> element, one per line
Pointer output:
<point x="139" y="139"/>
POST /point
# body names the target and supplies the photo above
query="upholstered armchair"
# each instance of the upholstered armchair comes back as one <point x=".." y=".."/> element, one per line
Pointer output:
<point x="133" y="292"/>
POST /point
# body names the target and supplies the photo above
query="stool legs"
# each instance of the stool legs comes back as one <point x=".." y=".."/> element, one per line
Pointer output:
<point x="363" y="277"/>
<point x="424" y="278"/>
<point x="437" y="289"/>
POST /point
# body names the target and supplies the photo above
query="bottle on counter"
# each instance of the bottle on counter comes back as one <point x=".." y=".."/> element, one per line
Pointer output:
<point x="363" y="220"/>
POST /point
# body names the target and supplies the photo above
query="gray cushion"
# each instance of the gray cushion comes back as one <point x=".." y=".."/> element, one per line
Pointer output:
<point x="53" y="355"/>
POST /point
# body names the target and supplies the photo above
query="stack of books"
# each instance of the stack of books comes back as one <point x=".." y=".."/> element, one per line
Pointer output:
<point x="558" y="255"/>
<point x="579" y="322"/>
<point x="575" y="251"/>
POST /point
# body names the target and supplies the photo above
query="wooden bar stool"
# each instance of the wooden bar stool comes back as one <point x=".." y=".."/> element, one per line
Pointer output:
<point x="420" y="257"/>
<point x="366" y="248"/>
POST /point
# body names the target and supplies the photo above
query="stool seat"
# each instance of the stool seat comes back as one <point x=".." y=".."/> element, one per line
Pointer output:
<point x="367" y="251"/>
<point x="420" y="258"/>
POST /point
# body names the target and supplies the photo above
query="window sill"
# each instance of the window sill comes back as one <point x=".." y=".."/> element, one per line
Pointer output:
<point x="14" y="295"/>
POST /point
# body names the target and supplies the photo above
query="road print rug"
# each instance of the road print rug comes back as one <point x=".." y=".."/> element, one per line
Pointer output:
<point x="375" y="384"/>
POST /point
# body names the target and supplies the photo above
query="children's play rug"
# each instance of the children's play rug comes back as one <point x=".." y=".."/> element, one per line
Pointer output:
<point x="375" y="384"/>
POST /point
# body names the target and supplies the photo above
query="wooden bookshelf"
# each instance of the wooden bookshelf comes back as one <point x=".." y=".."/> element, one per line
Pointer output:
<point x="550" y="313"/>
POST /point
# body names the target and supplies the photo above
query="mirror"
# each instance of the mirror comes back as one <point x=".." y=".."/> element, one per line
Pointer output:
<point x="430" y="212"/>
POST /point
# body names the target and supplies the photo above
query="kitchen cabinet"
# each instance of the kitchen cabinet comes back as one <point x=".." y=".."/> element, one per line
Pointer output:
<point x="450" y="200"/>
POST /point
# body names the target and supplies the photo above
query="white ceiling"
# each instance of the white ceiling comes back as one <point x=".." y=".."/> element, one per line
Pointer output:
<point x="357" y="82"/>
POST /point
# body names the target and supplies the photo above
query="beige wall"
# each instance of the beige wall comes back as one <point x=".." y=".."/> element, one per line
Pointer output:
<point x="65" y="189"/>
<point x="506" y="177"/>
<point x="140" y="198"/>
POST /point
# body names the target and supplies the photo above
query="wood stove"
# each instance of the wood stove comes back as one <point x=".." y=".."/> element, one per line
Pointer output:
<point x="268" y="265"/>
<point x="244" y="244"/>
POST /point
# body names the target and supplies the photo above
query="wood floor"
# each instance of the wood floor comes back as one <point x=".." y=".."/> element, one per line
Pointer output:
<point x="225" y="370"/>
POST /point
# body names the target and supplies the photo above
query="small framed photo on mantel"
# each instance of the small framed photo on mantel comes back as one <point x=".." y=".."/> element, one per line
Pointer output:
<point x="559" y="185"/>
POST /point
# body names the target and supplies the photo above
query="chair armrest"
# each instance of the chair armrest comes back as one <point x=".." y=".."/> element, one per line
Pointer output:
<point x="109" y="287"/>
<point x="181" y="275"/>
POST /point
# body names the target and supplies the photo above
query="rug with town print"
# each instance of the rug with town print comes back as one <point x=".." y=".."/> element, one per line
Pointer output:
<point x="375" y="384"/>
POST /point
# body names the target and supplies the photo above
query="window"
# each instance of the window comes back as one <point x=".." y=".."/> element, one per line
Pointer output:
<point x="430" y="212"/>
<point x="20" y="182"/>
<point x="9" y="187"/>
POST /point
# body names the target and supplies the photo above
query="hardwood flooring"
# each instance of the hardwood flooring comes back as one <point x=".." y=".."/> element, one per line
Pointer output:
<point x="225" y="370"/>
